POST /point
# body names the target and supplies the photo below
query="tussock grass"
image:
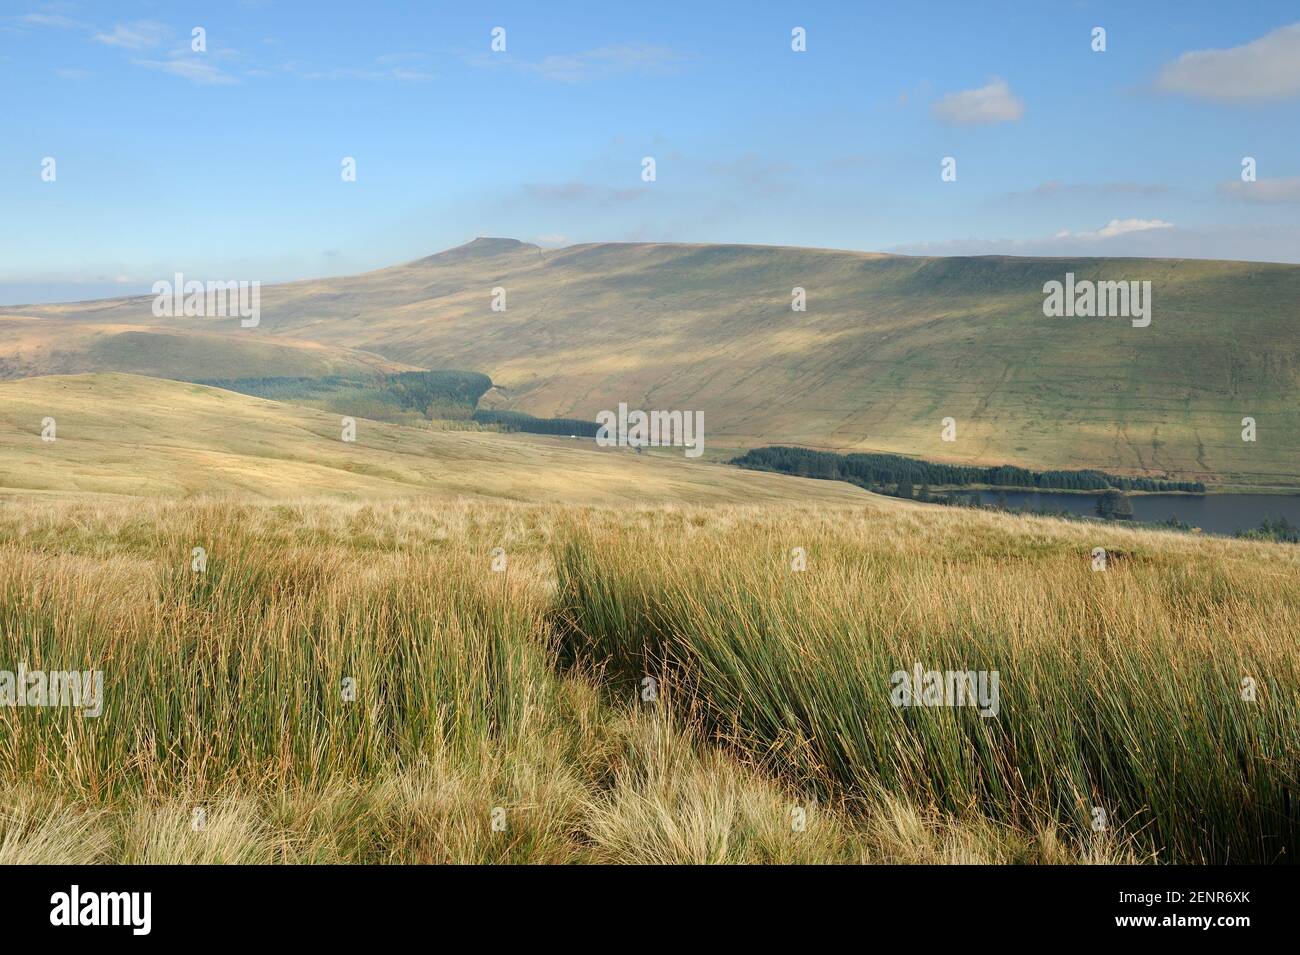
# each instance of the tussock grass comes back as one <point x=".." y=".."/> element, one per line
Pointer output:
<point x="519" y="691"/>
<point x="1120" y="690"/>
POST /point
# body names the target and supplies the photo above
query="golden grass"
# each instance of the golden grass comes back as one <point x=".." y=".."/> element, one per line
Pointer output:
<point x="128" y="435"/>
<point x="1121" y="690"/>
<point x="223" y="688"/>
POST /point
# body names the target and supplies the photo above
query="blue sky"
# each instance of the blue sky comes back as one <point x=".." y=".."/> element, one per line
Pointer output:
<point x="226" y="163"/>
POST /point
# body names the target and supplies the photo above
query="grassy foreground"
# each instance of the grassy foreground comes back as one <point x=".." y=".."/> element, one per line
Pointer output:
<point x="498" y="715"/>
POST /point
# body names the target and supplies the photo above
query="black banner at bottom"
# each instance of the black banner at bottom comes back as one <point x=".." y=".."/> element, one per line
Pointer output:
<point x="143" y="904"/>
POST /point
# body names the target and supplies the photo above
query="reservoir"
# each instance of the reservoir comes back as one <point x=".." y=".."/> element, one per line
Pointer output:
<point x="1212" y="513"/>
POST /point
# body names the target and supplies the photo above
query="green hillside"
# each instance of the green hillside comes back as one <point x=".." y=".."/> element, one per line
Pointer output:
<point x="52" y="344"/>
<point x="889" y="347"/>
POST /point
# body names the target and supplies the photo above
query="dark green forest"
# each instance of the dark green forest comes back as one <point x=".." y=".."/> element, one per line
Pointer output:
<point x="404" y="396"/>
<point x="518" y="421"/>
<point x="1280" y="530"/>
<point x="879" y="471"/>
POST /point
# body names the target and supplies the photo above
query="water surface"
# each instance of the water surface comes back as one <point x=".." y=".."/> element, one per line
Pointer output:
<point x="1212" y="513"/>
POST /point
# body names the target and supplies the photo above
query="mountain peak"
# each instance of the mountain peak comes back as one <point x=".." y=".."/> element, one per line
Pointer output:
<point x="483" y="247"/>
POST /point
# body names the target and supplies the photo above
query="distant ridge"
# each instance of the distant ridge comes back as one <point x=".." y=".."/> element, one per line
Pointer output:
<point x="887" y="348"/>
<point x="484" y="247"/>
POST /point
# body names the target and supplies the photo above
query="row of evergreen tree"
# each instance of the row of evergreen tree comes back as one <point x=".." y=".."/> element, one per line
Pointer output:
<point x="518" y="421"/>
<point x="421" y="392"/>
<point x="1274" y="530"/>
<point x="877" y="470"/>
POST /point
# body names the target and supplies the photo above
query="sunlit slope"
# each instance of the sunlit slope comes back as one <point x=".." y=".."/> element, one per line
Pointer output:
<point x="888" y="347"/>
<point x="57" y="345"/>
<point x="125" y="434"/>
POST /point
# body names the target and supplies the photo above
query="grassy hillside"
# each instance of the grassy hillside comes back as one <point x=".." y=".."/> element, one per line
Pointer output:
<point x="408" y="397"/>
<point x="124" y="434"/>
<point x="477" y="692"/>
<point x="51" y="346"/>
<point x="888" y="347"/>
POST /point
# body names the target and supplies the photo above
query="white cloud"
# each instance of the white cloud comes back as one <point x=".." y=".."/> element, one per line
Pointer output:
<point x="196" y="71"/>
<point x="53" y="20"/>
<point x="1116" y="227"/>
<point x="1264" y="190"/>
<point x="641" y="59"/>
<point x="390" y="67"/>
<point x="141" y="35"/>
<point x="1267" y="68"/>
<point x="992" y="103"/>
<point x="638" y="58"/>
<point x="1253" y="243"/>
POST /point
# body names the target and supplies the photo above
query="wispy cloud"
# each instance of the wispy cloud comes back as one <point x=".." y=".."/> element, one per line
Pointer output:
<point x="1054" y="188"/>
<point x="1263" y="190"/>
<point x="1258" y="243"/>
<point x="579" y="192"/>
<point x="192" y="69"/>
<point x="1116" y="227"/>
<point x="403" y="67"/>
<point x="991" y="103"/>
<point x="1267" y="68"/>
<point x="397" y="59"/>
<point x="641" y="59"/>
<point x="141" y="35"/>
<point x="54" y="21"/>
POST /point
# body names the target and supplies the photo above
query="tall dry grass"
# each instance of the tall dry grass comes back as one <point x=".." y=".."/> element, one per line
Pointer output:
<point x="224" y="689"/>
<point x="1121" y="690"/>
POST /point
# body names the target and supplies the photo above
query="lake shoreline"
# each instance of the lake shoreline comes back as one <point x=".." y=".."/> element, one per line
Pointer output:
<point x="1218" y="491"/>
<point x="1224" y="514"/>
